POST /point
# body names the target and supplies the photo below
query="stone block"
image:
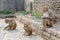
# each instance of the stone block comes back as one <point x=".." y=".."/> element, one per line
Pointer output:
<point x="46" y="34"/>
<point x="54" y="38"/>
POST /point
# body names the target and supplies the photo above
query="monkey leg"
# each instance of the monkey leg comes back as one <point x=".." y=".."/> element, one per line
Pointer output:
<point x="50" y="23"/>
<point x="25" y="33"/>
<point x="44" y="23"/>
<point x="13" y="27"/>
<point x="29" y="33"/>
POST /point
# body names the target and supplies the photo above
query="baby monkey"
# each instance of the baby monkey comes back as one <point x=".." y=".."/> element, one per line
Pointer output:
<point x="28" y="30"/>
<point x="11" y="24"/>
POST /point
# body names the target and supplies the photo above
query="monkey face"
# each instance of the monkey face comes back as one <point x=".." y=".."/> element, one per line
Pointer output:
<point x="44" y="8"/>
<point x="7" y="20"/>
<point x="25" y="25"/>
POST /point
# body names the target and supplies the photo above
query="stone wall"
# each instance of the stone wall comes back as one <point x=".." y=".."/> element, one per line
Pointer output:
<point x="27" y="5"/>
<point x="54" y="5"/>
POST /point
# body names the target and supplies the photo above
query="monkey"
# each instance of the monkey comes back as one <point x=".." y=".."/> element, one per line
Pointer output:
<point x="12" y="24"/>
<point x="28" y="30"/>
<point x="47" y="17"/>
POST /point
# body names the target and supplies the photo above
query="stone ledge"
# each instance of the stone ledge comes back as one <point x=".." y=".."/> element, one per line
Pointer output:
<point x="47" y="33"/>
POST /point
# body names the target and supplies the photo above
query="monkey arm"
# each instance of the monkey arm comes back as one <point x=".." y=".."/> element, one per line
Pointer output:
<point x="7" y="27"/>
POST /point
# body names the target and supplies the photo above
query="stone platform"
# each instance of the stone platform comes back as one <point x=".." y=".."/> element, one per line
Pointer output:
<point x="48" y="33"/>
<point x="15" y="34"/>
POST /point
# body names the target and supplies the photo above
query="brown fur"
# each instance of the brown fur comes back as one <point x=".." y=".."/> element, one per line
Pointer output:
<point x="11" y="26"/>
<point x="50" y="23"/>
<point x="45" y="8"/>
<point x="28" y="29"/>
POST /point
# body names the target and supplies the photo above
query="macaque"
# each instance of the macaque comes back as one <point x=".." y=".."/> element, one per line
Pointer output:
<point x="47" y="17"/>
<point x="12" y="24"/>
<point x="28" y="30"/>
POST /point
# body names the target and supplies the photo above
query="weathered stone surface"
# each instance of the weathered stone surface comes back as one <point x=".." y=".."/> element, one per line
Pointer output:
<point x="48" y="33"/>
<point x="54" y="38"/>
<point x="54" y="6"/>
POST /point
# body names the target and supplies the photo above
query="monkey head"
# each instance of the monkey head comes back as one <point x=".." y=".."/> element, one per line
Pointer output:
<point x="7" y="20"/>
<point x="25" y="25"/>
<point x="45" y="8"/>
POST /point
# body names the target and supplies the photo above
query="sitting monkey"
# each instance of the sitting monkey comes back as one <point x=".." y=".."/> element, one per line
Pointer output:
<point x="28" y="30"/>
<point x="12" y="24"/>
<point x="47" y="17"/>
